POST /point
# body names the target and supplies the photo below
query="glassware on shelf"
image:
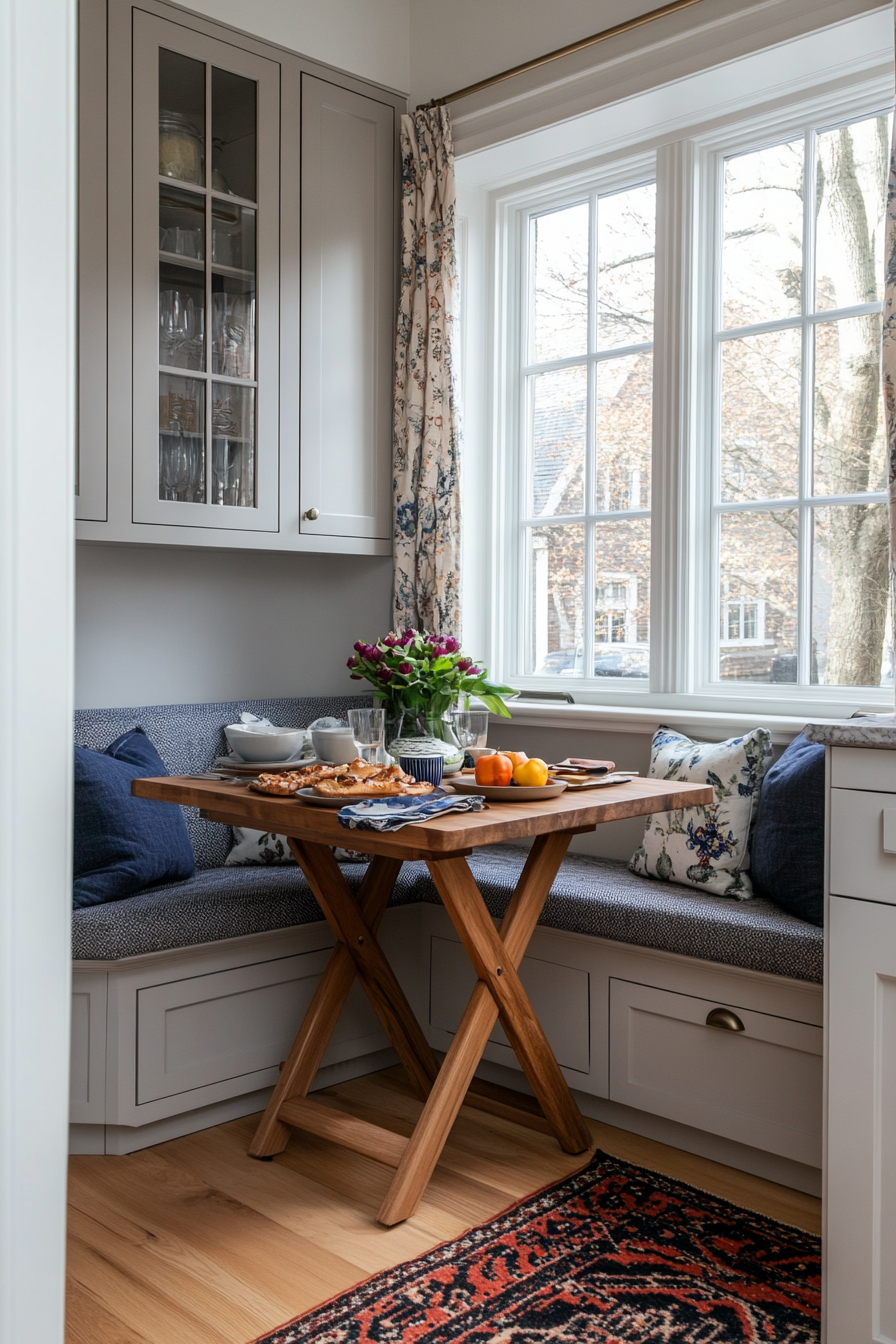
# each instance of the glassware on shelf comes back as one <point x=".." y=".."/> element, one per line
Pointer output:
<point x="181" y="439"/>
<point x="233" y="445"/>
<point x="233" y="236"/>
<point x="181" y="223"/>
<point x="182" y="329"/>
<point x="233" y="332"/>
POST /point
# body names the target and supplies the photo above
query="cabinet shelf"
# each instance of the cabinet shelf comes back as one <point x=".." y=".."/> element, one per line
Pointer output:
<point x="203" y="191"/>
<point x="177" y="259"/>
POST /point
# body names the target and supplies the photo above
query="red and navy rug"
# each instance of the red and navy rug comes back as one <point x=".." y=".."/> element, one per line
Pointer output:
<point x="613" y="1255"/>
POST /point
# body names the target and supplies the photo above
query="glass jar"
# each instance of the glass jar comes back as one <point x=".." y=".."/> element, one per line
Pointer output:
<point x="180" y="149"/>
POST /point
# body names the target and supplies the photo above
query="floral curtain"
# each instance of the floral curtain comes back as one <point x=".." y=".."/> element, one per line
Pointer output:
<point x="425" y="430"/>
<point x="888" y="360"/>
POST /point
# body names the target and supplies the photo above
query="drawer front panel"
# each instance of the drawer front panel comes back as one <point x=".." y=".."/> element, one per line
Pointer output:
<point x="862" y="824"/>
<point x="210" y="1028"/>
<point x="559" y="996"/>
<point x="863" y="768"/>
<point x="761" y="1086"/>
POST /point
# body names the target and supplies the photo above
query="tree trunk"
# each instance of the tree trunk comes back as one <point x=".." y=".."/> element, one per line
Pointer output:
<point x="848" y="443"/>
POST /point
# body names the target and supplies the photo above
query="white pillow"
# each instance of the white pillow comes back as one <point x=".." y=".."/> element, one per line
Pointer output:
<point x="254" y="848"/>
<point x="706" y="847"/>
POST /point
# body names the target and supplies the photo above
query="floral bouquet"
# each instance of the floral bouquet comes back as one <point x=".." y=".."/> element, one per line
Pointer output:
<point x="424" y="675"/>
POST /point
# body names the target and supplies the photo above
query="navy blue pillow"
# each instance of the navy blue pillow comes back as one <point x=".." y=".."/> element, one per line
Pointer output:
<point x="787" y="849"/>
<point x="123" y="844"/>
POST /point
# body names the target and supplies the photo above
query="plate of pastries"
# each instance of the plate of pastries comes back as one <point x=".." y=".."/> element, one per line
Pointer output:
<point x="337" y="785"/>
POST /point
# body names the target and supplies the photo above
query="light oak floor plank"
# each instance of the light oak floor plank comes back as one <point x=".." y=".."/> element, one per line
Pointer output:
<point x="194" y="1242"/>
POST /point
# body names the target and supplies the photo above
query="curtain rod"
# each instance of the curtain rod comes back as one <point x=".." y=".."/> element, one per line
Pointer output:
<point x="581" y="45"/>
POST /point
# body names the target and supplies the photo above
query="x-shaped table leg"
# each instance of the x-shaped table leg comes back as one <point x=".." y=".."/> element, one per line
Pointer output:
<point x="496" y="957"/>
<point x="355" y="921"/>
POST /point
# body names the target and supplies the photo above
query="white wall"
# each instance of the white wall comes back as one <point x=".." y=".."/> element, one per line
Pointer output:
<point x="37" y="374"/>
<point x="368" y="38"/>
<point x="165" y="625"/>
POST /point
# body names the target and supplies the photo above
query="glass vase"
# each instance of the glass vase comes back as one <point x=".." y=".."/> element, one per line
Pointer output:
<point x="423" y="732"/>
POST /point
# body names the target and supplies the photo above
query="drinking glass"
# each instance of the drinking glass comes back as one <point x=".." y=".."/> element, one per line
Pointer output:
<point x="471" y="727"/>
<point x="369" y="731"/>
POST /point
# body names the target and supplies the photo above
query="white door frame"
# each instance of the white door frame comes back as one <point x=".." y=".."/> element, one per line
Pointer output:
<point x="37" y="400"/>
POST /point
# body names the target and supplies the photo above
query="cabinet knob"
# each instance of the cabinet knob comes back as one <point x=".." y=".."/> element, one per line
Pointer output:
<point x="724" y="1018"/>
<point x="312" y="515"/>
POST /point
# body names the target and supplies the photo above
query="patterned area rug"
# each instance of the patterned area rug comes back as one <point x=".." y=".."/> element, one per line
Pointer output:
<point x="613" y="1255"/>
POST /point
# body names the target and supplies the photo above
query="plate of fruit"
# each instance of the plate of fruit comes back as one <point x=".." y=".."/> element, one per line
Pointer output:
<point x="509" y="777"/>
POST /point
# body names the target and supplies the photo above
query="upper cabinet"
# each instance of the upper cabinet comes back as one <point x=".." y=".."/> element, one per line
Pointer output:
<point x="238" y="242"/>
<point x="348" y="299"/>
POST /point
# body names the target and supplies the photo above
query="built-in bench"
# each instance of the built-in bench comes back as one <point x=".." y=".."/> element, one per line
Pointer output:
<point x="186" y="995"/>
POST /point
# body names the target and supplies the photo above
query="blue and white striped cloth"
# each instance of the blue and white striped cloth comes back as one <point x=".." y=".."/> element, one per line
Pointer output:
<point x="390" y="814"/>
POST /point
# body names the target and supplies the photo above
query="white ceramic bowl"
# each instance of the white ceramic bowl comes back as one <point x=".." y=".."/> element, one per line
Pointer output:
<point x="276" y="746"/>
<point x="335" y="745"/>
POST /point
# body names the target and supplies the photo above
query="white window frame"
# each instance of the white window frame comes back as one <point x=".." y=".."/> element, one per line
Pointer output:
<point x="682" y="648"/>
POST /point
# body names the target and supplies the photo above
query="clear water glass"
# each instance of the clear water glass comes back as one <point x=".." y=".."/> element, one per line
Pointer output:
<point x="471" y="727"/>
<point x="369" y="732"/>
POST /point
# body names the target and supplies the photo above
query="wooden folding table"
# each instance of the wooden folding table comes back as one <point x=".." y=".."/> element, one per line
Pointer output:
<point x="444" y="845"/>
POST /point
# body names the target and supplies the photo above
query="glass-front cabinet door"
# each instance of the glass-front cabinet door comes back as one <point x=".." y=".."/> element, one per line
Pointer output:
<point x="206" y="259"/>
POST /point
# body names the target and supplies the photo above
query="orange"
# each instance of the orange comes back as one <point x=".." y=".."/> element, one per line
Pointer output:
<point x="516" y="757"/>
<point x="531" y="774"/>
<point x="495" y="769"/>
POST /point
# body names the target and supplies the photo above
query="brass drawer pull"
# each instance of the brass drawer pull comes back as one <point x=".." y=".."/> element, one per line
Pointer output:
<point x="311" y="514"/>
<point x="724" y="1018"/>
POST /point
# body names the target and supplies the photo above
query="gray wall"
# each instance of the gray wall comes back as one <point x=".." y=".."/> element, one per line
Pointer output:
<point x="160" y="625"/>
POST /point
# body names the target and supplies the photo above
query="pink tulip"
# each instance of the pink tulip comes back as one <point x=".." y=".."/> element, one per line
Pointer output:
<point x="406" y="669"/>
<point x="384" y="674"/>
<point x="463" y="664"/>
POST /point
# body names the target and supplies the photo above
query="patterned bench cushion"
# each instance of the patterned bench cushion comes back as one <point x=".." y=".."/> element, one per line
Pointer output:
<point x="591" y="896"/>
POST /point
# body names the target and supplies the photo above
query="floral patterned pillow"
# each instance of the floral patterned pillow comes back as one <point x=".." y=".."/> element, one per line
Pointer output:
<point x="706" y="847"/>
<point x="253" y="849"/>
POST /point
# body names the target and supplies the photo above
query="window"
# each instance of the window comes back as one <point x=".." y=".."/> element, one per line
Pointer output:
<point x="800" y="514"/>
<point x="780" y="568"/>
<point x="586" y="385"/>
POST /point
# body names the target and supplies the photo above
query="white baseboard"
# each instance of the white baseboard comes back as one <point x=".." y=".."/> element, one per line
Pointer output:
<point x="118" y="1140"/>
<point x="782" y="1170"/>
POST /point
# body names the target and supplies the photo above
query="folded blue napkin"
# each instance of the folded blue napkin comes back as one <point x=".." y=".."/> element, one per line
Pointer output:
<point x="390" y="814"/>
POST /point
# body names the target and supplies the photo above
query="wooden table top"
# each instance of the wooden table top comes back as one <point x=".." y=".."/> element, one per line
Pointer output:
<point x="455" y="833"/>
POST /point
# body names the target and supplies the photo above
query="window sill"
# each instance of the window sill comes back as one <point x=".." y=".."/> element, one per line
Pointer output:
<point x="713" y="725"/>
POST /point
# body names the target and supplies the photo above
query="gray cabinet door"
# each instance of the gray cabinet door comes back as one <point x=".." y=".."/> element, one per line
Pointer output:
<point x="206" y="238"/>
<point x="348" y="307"/>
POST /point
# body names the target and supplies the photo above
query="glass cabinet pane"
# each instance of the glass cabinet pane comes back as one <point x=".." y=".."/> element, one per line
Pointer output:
<point x="181" y="317"/>
<point x="233" y="445"/>
<point x="181" y="439"/>
<point x="233" y="326"/>
<point x="182" y="223"/>
<point x="208" y="250"/>
<point x="181" y="117"/>
<point x="233" y="235"/>
<point x="234" y="100"/>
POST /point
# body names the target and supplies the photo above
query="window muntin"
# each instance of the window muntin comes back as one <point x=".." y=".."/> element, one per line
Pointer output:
<point x="799" y="518"/>
<point x="587" y="391"/>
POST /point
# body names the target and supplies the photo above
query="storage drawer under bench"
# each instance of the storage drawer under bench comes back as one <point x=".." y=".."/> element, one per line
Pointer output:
<point x="755" y="1078"/>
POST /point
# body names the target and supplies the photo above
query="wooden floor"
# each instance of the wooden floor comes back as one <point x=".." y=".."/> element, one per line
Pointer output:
<point x="193" y="1242"/>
